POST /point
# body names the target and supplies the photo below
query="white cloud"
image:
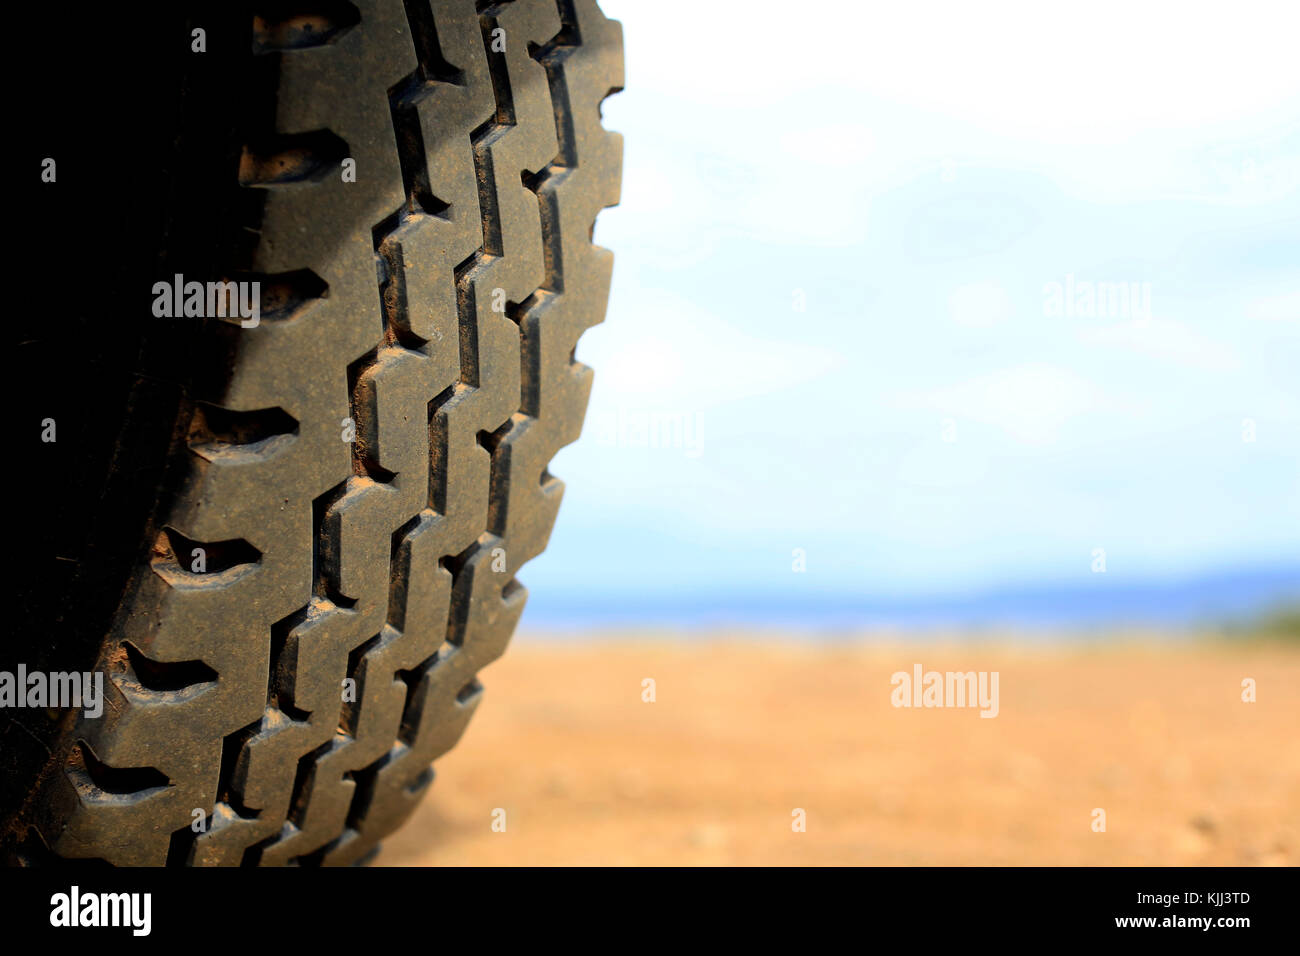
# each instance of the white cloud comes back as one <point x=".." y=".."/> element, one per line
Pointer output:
<point x="939" y="464"/>
<point x="979" y="305"/>
<point x="1070" y="72"/>
<point x="664" y="345"/>
<point x="1163" y="339"/>
<point x="1275" y="308"/>
<point x="836" y="144"/>
<point x="1031" y="403"/>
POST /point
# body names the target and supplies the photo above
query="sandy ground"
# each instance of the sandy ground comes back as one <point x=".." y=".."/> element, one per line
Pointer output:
<point x="740" y="735"/>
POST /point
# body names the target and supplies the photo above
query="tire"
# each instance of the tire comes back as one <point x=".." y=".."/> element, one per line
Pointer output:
<point x="365" y="470"/>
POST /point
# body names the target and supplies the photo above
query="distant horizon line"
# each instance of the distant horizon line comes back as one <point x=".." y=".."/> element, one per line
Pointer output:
<point x="1207" y="598"/>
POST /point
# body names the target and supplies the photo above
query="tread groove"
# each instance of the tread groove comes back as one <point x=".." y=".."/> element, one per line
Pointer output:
<point x="471" y="207"/>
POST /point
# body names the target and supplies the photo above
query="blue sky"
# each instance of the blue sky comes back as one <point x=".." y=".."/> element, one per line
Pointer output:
<point x="836" y="323"/>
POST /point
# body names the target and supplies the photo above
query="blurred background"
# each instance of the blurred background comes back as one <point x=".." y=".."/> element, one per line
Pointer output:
<point x="949" y="297"/>
<point x="963" y="336"/>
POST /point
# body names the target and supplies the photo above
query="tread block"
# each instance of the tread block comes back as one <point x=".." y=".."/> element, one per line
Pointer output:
<point x="434" y="306"/>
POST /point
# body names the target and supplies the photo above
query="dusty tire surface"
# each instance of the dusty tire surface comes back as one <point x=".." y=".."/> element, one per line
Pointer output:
<point x="352" y="484"/>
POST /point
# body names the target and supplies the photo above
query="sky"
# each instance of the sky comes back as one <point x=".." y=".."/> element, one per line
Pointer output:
<point x="920" y="301"/>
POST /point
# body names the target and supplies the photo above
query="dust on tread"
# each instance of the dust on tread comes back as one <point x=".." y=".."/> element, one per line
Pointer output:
<point x="479" y="174"/>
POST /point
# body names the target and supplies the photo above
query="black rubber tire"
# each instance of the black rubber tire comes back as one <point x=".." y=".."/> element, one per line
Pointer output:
<point x="434" y="303"/>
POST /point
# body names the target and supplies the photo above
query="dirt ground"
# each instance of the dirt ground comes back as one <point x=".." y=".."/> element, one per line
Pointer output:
<point x="740" y="735"/>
